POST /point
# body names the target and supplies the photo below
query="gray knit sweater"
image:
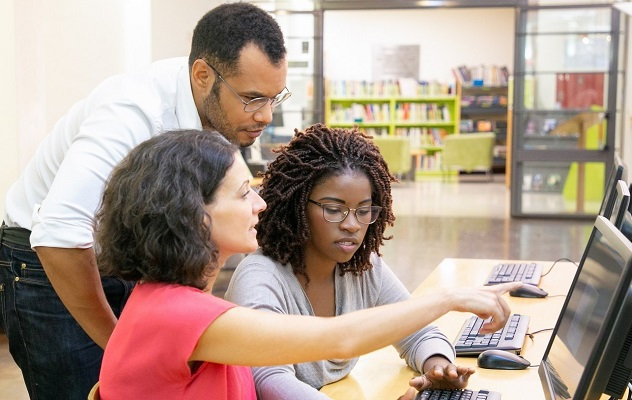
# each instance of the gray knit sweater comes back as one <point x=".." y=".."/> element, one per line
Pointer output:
<point x="260" y="282"/>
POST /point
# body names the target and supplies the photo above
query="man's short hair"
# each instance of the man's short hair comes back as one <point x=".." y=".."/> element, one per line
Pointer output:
<point x="224" y="31"/>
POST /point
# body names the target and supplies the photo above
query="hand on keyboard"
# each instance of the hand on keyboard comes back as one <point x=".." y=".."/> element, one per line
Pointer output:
<point x="442" y="374"/>
<point x="484" y="302"/>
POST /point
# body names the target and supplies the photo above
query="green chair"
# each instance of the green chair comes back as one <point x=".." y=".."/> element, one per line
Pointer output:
<point x="396" y="153"/>
<point x="468" y="152"/>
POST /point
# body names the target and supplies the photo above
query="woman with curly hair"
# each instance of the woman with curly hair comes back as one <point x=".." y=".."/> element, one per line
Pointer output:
<point x="329" y="202"/>
<point x="172" y="212"/>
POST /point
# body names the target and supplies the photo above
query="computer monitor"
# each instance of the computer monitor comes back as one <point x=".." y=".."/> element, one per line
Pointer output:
<point x="620" y="204"/>
<point x="618" y="172"/>
<point x="588" y="353"/>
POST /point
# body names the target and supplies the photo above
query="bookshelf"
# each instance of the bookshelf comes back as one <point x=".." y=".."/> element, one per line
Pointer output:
<point x="425" y="114"/>
<point x="485" y="109"/>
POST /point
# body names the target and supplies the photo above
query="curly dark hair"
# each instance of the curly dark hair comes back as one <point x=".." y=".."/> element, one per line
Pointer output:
<point x="310" y="157"/>
<point x="151" y="223"/>
<point x="223" y="32"/>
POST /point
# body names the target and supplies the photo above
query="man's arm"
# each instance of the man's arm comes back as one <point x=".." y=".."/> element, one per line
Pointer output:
<point x="75" y="277"/>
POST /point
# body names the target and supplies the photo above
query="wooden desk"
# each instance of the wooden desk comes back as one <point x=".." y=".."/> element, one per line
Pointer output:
<point x="382" y="375"/>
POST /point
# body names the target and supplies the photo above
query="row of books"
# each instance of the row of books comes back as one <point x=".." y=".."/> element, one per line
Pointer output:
<point x="430" y="162"/>
<point x="360" y="113"/>
<point x="483" y="101"/>
<point x="422" y="112"/>
<point x="481" y="125"/>
<point x="380" y="113"/>
<point x="404" y="87"/>
<point x="375" y="131"/>
<point x="481" y="75"/>
<point x="423" y="137"/>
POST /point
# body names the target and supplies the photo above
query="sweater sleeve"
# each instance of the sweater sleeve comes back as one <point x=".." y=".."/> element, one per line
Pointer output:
<point x="418" y="347"/>
<point x="280" y="383"/>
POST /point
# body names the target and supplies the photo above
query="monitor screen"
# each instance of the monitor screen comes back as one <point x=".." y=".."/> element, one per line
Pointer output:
<point x="581" y="357"/>
<point x="618" y="172"/>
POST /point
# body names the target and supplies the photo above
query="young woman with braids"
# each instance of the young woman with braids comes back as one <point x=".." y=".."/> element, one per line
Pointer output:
<point x="329" y="202"/>
<point x="172" y="212"/>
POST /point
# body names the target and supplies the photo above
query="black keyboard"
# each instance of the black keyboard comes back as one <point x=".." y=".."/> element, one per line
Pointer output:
<point x="446" y="394"/>
<point x="511" y="337"/>
<point x="511" y="272"/>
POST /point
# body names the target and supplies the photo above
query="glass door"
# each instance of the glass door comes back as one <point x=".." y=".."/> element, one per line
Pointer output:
<point x="567" y="93"/>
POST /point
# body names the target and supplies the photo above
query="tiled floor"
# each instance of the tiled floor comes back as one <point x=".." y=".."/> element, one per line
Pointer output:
<point x="435" y="220"/>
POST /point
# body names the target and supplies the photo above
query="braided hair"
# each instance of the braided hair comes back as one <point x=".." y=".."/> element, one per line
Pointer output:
<point x="311" y="157"/>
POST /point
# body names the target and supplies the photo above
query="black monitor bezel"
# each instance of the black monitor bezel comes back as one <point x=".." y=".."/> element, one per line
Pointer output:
<point x="620" y="203"/>
<point x="604" y="346"/>
<point x="618" y="172"/>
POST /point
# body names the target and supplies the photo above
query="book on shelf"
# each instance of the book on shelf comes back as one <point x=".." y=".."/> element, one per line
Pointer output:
<point x="484" y="125"/>
<point x="438" y="135"/>
<point x="466" y="125"/>
<point x="445" y="113"/>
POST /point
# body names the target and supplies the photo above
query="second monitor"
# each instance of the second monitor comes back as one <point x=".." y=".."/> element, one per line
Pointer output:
<point x="588" y="353"/>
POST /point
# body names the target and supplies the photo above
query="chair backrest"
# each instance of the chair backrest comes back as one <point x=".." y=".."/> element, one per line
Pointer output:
<point x="469" y="151"/>
<point x="396" y="153"/>
<point x="94" y="392"/>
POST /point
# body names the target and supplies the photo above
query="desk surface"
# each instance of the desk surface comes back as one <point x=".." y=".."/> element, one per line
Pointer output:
<point x="382" y="375"/>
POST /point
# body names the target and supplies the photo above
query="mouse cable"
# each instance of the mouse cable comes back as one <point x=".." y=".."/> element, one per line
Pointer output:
<point x="531" y="334"/>
<point x="558" y="260"/>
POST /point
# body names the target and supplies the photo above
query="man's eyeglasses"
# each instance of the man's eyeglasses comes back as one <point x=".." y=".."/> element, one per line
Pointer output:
<point x="337" y="212"/>
<point x="258" y="102"/>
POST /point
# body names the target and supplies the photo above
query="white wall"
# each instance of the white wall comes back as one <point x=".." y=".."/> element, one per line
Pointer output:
<point x="9" y="148"/>
<point x="172" y="25"/>
<point x="447" y="38"/>
<point x="55" y="53"/>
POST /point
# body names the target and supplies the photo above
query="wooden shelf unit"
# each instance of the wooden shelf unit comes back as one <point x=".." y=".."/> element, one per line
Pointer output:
<point x="426" y="119"/>
<point x="486" y="110"/>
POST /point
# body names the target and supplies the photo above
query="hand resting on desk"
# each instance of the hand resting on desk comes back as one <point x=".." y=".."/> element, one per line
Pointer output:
<point x="440" y="373"/>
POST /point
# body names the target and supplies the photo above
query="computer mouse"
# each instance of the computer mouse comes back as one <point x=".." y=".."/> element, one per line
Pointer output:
<point x="527" y="290"/>
<point x="501" y="359"/>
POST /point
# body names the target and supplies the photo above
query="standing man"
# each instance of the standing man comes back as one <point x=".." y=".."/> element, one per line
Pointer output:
<point x="57" y="312"/>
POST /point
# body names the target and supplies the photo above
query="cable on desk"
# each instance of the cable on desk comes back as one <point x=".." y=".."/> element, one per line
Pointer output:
<point x="531" y="334"/>
<point x="558" y="260"/>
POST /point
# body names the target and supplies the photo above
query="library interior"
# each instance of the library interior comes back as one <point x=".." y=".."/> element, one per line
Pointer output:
<point x="506" y="123"/>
